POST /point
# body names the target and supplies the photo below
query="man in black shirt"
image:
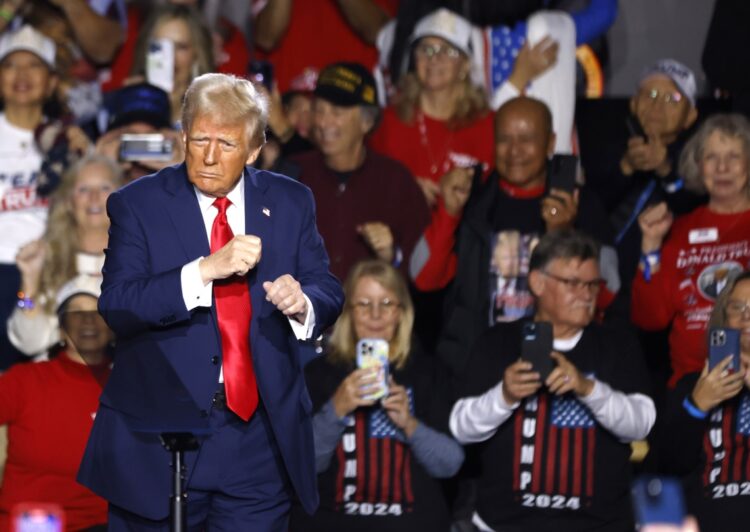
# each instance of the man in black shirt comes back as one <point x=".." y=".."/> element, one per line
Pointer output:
<point x="554" y="449"/>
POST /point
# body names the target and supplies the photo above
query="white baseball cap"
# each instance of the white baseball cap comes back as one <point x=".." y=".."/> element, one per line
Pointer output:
<point x="28" y="39"/>
<point x="82" y="284"/>
<point x="447" y="25"/>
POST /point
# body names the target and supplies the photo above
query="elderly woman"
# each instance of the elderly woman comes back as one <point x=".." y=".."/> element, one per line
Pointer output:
<point x="49" y="409"/>
<point x="74" y="242"/>
<point x="685" y="265"/>
<point x="379" y="461"/>
<point x="193" y="47"/>
<point x="705" y="428"/>
<point x="440" y="119"/>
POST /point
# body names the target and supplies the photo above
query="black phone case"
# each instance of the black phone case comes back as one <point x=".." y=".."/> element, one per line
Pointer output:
<point x="634" y="127"/>
<point x="563" y="171"/>
<point x="536" y="347"/>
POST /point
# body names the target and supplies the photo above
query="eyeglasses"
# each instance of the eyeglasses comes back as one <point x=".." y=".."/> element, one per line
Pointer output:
<point x="385" y="307"/>
<point x="428" y="51"/>
<point x="655" y="95"/>
<point x="736" y="308"/>
<point x="575" y="284"/>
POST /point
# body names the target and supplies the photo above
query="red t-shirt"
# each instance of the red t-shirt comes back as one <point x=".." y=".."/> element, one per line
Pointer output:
<point x="318" y="35"/>
<point x="702" y="250"/>
<point x="49" y="408"/>
<point x="428" y="148"/>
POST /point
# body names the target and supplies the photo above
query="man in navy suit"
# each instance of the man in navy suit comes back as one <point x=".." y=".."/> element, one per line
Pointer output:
<point x="214" y="274"/>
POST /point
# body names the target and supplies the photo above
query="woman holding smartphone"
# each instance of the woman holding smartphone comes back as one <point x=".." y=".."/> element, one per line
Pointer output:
<point x="706" y="427"/>
<point x="379" y="461"/>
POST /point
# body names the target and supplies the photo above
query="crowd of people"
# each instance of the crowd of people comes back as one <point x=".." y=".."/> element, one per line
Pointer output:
<point x="434" y="137"/>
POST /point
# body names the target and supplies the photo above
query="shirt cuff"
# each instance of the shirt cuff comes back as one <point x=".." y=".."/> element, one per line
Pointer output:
<point x="194" y="293"/>
<point x="599" y="393"/>
<point x="303" y="331"/>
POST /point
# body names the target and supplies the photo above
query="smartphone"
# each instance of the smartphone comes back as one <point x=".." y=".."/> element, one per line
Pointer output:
<point x="373" y="352"/>
<point x="634" y="127"/>
<point x="37" y="517"/>
<point x="145" y="147"/>
<point x="160" y="64"/>
<point x="723" y="342"/>
<point x="536" y="347"/>
<point x="658" y="500"/>
<point x="562" y="173"/>
<point x="261" y="72"/>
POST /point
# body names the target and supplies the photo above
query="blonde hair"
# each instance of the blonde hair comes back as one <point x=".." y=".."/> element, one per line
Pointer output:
<point x="202" y="42"/>
<point x="227" y="97"/>
<point x="343" y="341"/>
<point x="61" y="235"/>
<point x="470" y="105"/>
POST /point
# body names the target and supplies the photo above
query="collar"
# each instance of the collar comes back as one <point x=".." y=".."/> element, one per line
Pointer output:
<point x="515" y="191"/>
<point x="236" y="195"/>
<point x="563" y="345"/>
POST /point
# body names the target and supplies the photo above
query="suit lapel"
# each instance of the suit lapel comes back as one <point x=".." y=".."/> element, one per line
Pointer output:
<point x="186" y="215"/>
<point x="260" y="214"/>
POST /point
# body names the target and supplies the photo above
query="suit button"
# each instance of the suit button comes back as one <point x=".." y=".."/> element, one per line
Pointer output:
<point x="214" y="360"/>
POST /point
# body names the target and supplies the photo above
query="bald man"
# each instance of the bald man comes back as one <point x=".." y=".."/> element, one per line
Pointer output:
<point x="474" y="216"/>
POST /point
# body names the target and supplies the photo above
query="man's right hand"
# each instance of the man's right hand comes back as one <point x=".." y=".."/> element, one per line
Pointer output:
<point x="455" y="187"/>
<point x="237" y="257"/>
<point x="519" y="382"/>
<point x="646" y="156"/>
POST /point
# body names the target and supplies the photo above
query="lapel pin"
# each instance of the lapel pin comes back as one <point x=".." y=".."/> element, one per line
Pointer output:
<point x="267" y="211"/>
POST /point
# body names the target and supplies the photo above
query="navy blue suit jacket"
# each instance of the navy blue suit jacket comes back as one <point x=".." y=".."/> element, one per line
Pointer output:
<point x="167" y="359"/>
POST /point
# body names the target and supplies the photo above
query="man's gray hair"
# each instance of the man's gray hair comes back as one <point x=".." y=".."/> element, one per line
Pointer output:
<point x="563" y="244"/>
<point x="227" y="98"/>
<point x="733" y="125"/>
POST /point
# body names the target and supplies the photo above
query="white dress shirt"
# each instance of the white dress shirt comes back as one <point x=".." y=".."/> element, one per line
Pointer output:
<point x="194" y="292"/>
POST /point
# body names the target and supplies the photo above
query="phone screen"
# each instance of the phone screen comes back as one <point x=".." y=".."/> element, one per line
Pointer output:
<point x="536" y="347"/>
<point x="658" y="501"/>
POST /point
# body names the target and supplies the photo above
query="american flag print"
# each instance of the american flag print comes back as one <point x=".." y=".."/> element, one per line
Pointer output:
<point x="374" y="462"/>
<point x="727" y="449"/>
<point x="554" y="449"/>
<point x="502" y="45"/>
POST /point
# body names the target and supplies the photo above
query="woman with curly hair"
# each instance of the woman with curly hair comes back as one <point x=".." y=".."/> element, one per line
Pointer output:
<point x="440" y="120"/>
<point x="73" y="244"/>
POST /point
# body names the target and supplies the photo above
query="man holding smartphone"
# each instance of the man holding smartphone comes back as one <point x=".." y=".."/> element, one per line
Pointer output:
<point x="662" y="110"/>
<point x="555" y="452"/>
<point x="482" y="233"/>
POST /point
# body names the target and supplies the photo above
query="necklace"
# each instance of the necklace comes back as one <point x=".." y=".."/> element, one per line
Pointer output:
<point x="437" y="167"/>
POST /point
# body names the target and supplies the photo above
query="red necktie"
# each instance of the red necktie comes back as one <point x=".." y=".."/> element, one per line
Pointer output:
<point x="234" y="311"/>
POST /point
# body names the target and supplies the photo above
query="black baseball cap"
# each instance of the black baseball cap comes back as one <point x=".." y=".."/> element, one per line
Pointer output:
<point x="346" y="84"/>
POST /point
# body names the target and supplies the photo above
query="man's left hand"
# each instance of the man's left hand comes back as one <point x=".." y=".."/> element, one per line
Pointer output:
<point x="379" y="239"/>
<point x="566" y="378"/>
<point x="286" y="294"/>
<point x="559" y="209"/>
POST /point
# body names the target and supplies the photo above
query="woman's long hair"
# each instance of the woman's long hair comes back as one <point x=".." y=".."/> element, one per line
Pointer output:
<point x="343" y="341"/>
<point x="471" y="103"/>
<point x="199" y="32"/>
<point x="61" y="236"/>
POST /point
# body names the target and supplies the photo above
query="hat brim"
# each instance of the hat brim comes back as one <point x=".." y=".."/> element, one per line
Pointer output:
<point x="337" y="97"/>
